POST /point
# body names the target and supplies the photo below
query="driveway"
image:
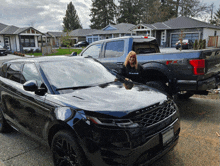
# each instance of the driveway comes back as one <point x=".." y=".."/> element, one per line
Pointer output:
<point x="198" y="143"/>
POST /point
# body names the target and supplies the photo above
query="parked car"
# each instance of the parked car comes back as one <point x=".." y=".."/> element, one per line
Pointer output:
<point x="81" y="44"/>
<point x="86" y="114"/>
<point x="186" y="44"/>
<point x="3" y="51"/>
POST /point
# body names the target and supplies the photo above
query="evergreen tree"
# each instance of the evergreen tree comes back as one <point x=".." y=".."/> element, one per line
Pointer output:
<point x="130" y="11"/>
<point x="216" y="19"/>
<point x="71" y="20"/>
<point x="157" y="10"/>
<point x="192" y="8"/>
<point x="103" y="13"/>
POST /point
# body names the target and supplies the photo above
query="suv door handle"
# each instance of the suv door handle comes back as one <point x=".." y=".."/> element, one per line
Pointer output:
<point x="119" y="63"/>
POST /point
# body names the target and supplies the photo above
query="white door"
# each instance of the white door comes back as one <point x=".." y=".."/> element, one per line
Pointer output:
<point x="7" y="43"/>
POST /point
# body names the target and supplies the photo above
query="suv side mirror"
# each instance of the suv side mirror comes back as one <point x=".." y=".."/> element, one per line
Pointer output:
<point x="30" y="86"/>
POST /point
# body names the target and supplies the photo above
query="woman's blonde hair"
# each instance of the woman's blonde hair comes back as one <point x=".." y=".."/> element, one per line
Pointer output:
<point x="131" y="53"/>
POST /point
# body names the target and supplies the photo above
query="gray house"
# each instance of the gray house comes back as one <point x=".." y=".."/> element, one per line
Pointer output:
<point x="19" y="39"/>
<point x="80" y="34"/>
<point x="167" y="33"/>
<point x="111" y="31"/>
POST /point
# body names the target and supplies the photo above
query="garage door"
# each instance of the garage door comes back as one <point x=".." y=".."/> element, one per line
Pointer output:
<point x="175" y="38"/>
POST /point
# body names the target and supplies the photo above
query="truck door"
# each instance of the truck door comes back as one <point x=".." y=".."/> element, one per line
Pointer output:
<point x="112" y="50"/>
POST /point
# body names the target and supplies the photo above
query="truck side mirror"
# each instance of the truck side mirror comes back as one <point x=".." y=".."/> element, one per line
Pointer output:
<point x="73" y="54"/>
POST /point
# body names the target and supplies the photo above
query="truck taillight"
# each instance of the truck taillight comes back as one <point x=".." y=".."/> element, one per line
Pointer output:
<point x="198" y="66"/>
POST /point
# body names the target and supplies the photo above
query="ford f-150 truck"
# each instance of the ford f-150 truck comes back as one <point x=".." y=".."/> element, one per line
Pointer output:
<point x="183" y="73"/>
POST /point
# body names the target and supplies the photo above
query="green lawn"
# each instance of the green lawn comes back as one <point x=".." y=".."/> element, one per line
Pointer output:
<point x="59" y="52"/>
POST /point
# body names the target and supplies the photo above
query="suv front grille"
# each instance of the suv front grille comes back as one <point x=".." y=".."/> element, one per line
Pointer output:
<point x="155" y="115"/>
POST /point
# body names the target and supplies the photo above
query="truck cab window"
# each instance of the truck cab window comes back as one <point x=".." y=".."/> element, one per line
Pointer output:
<point x="93" y="51"/>
<point x="114" y="49"/>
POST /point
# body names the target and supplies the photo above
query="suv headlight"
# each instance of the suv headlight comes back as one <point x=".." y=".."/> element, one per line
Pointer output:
<point x="124" y="123"/>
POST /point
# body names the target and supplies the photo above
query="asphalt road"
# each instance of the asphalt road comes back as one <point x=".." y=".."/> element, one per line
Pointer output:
<point x="198" y="143"/>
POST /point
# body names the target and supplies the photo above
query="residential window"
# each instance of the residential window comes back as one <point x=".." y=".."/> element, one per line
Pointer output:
<point x="89" y="40"/>
<point x="215" y="33"/>
<point x="27" y="41"/>
<point x="114" y="49"/>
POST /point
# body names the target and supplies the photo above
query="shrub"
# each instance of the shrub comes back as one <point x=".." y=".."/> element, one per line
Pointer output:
<point x="37" y="51"/>
<point x="200" y="44"/>
<point x="26" y="51"/>
<point x="204" y="44"/>
<point x="195" y="45"/>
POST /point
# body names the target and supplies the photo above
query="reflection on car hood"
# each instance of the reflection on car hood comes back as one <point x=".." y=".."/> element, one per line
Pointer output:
<point x="110" y="97"/>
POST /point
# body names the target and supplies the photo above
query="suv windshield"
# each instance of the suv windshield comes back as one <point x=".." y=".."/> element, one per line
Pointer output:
<point x="76" y="73"/>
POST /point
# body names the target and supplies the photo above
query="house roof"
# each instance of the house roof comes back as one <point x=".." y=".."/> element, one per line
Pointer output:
<point x="186" y="22"/>
<point x="2" y="26"/>
<point x="81" y="32"/>
<point x="55" y="34"/>
<point x="13" y="30"/>
<point x="119" y="28"/>
<point x="180" y="23"/>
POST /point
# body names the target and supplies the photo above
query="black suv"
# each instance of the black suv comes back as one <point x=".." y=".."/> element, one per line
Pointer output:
<point x="186" y="44"/>
<point x="81" y="44"/>
<point x="86" y="114"/>
<point x="3" y="51"/>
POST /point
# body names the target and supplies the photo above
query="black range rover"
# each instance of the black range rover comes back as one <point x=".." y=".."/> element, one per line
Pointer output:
<point x="87" y="115"/>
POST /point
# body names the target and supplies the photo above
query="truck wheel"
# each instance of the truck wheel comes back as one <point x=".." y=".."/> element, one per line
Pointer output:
<point x="184" y="95"/>
<point x="158" y="85"/>
<point x="66" y="151"/>
<point x="4" y="126"/>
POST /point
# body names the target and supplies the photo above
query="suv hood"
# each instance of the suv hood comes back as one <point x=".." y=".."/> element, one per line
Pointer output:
<point x="112" y="97"/>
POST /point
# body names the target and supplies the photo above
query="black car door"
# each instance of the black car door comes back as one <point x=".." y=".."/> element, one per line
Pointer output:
<point x="27" y="110"/>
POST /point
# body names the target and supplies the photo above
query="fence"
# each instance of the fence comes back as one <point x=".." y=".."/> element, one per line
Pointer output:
<point x="214" y="41"/>
<point x="46" y="50"/>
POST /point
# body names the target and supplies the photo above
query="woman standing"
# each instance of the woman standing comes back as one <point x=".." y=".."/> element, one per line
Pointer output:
<point x="131" y="69"/>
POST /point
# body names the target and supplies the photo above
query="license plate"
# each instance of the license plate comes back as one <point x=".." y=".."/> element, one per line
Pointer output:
<point x="167" y="136"/>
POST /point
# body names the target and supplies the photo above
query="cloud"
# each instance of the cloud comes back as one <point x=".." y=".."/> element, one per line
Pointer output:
<point x="44" y="15"/>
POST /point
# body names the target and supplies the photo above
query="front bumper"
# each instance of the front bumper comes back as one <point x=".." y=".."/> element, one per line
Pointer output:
<point x="207" y="84"/>
<point x="148" y="149"/>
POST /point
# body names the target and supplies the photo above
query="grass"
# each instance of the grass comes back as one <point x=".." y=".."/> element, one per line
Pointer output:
<point x="59" y="52"/>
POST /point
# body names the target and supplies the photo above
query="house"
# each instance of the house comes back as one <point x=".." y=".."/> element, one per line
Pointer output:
<point x="54" y="38"/>
<point x="111" y="31"/>
<point x="167" y="33"/>
<point x="80" y="34"/>
<point x="19" y="39"/>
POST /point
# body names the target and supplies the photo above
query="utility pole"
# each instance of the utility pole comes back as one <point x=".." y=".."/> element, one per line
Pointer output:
<point x="212" y="7"/>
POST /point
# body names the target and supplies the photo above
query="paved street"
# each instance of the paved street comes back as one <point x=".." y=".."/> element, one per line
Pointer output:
<point x="198" y="144"/>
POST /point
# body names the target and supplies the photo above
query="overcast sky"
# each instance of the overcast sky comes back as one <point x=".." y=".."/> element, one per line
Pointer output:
<point x="47" y="15"/>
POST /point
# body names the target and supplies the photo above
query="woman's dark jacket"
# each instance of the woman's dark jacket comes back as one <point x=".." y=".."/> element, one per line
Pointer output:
<point x="132" y="73"/>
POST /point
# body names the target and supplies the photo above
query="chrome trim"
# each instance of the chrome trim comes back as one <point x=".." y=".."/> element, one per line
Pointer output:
<point x="186" y="82"/>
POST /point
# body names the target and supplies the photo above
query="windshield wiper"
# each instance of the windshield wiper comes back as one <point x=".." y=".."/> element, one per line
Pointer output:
<point x="74" y="88"/>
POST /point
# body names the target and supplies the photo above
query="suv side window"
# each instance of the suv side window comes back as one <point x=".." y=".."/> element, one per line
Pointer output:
<point x="14" y="72"/>
<point x="93" y="51"/>
<point x="114" y="49"/>
<point x="30" y="72"/>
